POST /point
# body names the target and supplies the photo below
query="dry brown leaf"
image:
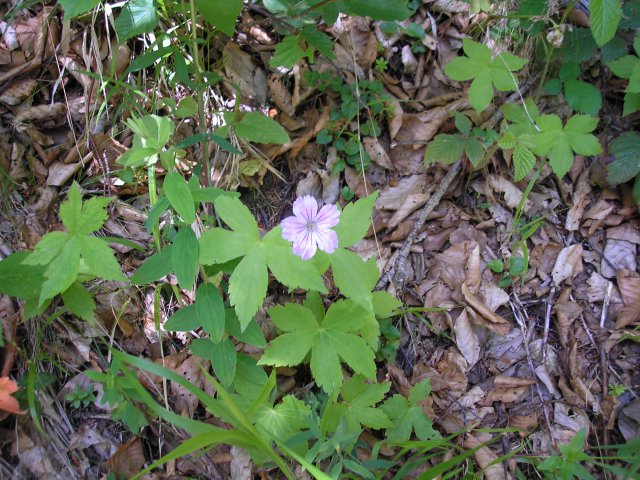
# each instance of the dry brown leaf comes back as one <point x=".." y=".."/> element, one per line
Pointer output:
<point x="190" y="370"/>
<point x="418" y="128"/>
<point x="394" y="196"/>
<point x="568" y="264"/>
<point x="485" y="457"/>
<point x="377" y="152"/>
<point x="495" y="322"/>
<point x="128" y="459"/>
<point x="7" y="402"/>
<point x="512" y="195"/>
<point x="505" y="395"/>
<point x="280" y="95"/>
<point x="241" y="70"/>
<point x="241" y="465"/>
<point x="493" y="296"/>
<point x="618" y="254"/>
<point x="473" y="275"/>
<point x="18" y="91"/>
<point x="629" y="420"/>
<point x="396" y="119"/>
<point x="629" y="286"/>
<point x="504" y="381"/>
<point x="412" y="203"/>
<point x="566" y="312"/>
<point x="466" y="339"/>
<point x="580" y="200"/>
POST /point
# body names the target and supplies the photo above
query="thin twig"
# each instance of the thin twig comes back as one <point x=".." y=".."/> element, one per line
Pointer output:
<point x="604" y="361"/>
<point x="397" y="274"/>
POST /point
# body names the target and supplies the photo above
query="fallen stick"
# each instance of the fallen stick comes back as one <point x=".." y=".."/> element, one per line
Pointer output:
<point x="397" y="274"/>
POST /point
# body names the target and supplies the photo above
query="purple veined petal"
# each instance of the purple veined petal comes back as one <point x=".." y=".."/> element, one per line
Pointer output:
<point x="328" y="216"/>
<point x="305" y="246"/>
<point x="327" y="240"/>
<point x="305" y="207"/>
<point x="292" y="228"/>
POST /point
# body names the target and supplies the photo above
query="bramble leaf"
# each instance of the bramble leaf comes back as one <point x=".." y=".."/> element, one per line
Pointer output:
<point x="222" y="14"/>
<point x="626" y="165"/>
<point x="445" y="148"/>
<point x="485" y="71"/>
<point x="605" y="16"/>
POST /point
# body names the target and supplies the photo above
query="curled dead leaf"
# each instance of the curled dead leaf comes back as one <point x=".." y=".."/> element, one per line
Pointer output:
<point x="568" y="264"/>
<point x="495" y="322"/>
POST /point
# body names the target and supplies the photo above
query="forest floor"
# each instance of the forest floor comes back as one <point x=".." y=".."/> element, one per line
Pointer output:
<point x="542" y="348"/>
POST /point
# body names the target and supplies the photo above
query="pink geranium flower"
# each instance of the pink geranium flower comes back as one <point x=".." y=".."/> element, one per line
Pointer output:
<point x="310" y="229"/>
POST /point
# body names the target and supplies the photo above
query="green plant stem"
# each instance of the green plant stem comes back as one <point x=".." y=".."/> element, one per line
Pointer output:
<point x="202" y="121"/>
<point x="153" y="198"/>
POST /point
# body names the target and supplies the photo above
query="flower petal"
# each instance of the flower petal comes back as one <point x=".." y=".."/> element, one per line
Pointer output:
<point x="305" y="207"/>
<point x="328" y="216"/>
<point x="305" y="246"/>
<point x="292" y="228"/>
<point x="327" y="240"/>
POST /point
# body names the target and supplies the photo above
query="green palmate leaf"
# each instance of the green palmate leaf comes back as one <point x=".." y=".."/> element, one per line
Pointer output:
<point x="604" y="18"/>
<point x="248" y="282"/>
<point x="385" y="304"/>
<point x="626" y="150"/>
<point x="18" y="279"/>
<point x="222" y="14"/>
<point x="248" y="285"/>
<point x="287" y="53"/>
<point x="220" y="246"/>
<point x="73" y="8"/>
<point x="485" y="71"/>
<point x="523" y="161"/>
<point x="184" y="257"/>
<point x="289" y="269"/>
<point x="353" y="276"/>
<point x="77" y="299"/>
<point x="582" y="97"/>
<point x="136" y="17"/>
<point x="252" y="334"/>
<point x="355" y="221"/>
<point x="553" y="86"/>
<point x="636" y="190"/>
<point x="62" y="271"/>
<point x="83" y="219"/>
<point x="358" y="406"/>
<point x="100" y="259"/>
<point x="387" y="10"/>
<point x="445" y="149"/>
<point x="210" y="311"/>
<point x="235" y="214"/>
<point x="154" y="268"/>
<point x="256" y="127"/>
<point x="406" y="415"/>
<point x="329" y="341"/>
<point x="283" y="421"/>
<point x="179" y="194"/>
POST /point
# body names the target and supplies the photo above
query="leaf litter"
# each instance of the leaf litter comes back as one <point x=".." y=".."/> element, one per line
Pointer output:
<point x="528" y="354"/>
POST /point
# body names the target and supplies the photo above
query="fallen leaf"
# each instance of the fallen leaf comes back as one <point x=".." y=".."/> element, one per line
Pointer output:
<point x="7" y="402"/>
<point x="568" y="264"/>
<point x="495" y="322"/>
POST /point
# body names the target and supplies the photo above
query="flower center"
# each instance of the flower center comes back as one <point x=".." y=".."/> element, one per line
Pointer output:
<point x="311" y="226"/>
